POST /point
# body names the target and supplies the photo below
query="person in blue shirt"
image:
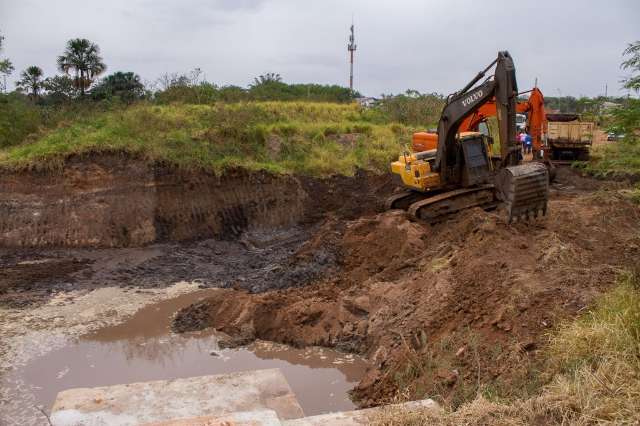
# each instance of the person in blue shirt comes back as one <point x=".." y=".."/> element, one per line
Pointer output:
<point x="528" y="143"/>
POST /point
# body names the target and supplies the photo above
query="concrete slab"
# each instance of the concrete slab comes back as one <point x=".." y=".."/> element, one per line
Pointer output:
<point x="145" y="402"/>
<point x="359" y="417"/>
<point x="247" y="418"/>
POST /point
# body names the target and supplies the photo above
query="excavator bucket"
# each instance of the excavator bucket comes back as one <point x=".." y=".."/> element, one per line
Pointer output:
<point x="524" y="190"/>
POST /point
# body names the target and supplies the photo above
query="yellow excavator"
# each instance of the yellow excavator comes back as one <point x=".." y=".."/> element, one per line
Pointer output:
<point x="457" y="170"/>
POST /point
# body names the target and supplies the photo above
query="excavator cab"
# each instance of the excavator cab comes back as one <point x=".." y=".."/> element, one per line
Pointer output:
<point x="416" y="170"/>
<point x="476" y="166"/>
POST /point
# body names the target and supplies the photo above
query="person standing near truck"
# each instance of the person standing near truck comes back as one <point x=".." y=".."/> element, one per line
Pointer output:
<point x="528" y="143"/>
<point x="521" y="139"/>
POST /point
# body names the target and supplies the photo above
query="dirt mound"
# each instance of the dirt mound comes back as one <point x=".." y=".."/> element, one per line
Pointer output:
<point x="317" y="315"/>
<point x="443" y="309"/>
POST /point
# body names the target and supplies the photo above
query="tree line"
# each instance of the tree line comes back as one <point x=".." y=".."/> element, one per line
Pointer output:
<point x="82" y="65"/>
<point x="81" y="80"/>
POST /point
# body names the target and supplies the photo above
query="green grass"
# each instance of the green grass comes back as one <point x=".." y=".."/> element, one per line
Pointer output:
<point x="616" y="159"/>
<point x="283" y="137"/>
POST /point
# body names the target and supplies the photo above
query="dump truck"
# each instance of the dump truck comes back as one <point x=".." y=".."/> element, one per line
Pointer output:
<point x="568" y="138"/>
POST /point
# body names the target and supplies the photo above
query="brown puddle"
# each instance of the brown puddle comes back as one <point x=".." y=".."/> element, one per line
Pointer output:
<point x="143" y="349"/>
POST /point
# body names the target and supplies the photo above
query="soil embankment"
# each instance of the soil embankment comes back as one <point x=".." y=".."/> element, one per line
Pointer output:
<point x="116" y="200"/>
<point x="114" y="220"/>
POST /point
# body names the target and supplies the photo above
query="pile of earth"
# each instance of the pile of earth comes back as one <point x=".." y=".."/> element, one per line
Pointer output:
<point x="447" y="309"/>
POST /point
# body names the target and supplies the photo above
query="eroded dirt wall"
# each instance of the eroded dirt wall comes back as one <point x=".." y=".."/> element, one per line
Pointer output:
<point x="114" y="200"/>
<point x="197" y="205"/>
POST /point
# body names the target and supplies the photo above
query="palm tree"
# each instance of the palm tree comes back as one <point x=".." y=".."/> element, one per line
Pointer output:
<point x="83" y="57"/>
<point x="270" y="77"/>
<point x="633" y="63"/>
<point x="31" y="80"/>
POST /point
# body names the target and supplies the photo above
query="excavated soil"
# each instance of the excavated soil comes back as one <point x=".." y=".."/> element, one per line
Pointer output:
<point x="115" y="220"/>
<point x="446" y="309"/>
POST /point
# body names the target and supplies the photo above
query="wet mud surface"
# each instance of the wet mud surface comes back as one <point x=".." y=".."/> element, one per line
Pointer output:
<point x="256" y="262"/>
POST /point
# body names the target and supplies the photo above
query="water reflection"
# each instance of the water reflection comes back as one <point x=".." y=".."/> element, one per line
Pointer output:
<point x="143" y="349"/>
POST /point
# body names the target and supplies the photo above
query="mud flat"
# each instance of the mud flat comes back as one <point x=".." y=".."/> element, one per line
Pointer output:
<point x="68" y="267"/>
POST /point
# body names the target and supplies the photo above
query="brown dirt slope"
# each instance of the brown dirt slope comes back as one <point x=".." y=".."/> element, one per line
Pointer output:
<point x="444" y="310"/>
<point x="118" y="200"/>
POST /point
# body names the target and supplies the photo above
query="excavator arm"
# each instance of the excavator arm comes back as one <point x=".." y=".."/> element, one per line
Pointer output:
<point x="462" y="104"/>
<point x="534" y="107"/>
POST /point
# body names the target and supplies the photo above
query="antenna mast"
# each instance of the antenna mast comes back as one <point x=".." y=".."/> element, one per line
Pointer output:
<point x="351" y="47"/>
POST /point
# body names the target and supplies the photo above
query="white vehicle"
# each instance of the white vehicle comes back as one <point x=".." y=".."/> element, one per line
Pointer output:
<point x="521" y="122"/>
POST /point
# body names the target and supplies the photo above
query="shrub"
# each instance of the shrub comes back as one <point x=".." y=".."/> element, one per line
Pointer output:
<point x="19" y="117"/>
<point x="412" y="108"/>
<point x="124" y="85"/>
<point x="598" y="357"/>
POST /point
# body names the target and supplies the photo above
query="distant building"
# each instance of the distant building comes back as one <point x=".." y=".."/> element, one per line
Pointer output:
<point x="366" y="102"/>
<point x="608" y="106"/>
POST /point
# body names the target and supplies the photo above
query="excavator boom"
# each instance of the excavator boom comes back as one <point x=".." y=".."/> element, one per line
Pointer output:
<point x="534" y="107"/>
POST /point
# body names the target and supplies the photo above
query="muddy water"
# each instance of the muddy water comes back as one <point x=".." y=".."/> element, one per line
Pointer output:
<point x="143" y="349"/>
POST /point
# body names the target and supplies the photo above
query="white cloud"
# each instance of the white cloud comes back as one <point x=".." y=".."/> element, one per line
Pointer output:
<point x="571" y="46"/>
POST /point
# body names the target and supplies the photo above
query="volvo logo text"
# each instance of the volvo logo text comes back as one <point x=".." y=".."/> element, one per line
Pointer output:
<point x="473" y="97"/>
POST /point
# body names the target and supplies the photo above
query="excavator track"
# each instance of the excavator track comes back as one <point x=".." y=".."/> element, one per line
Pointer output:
<point x="438" y="207"/>
<point x="521" y="190"/>
<point x="402" y="200"/>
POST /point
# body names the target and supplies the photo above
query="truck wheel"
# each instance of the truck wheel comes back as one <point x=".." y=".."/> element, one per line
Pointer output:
<point x="582" y="155"/>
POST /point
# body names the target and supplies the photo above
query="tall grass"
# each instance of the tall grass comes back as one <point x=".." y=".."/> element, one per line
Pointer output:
<point x="617" y="159"/>
<point x="598" y="358"/>
<point x="284" y="137"/>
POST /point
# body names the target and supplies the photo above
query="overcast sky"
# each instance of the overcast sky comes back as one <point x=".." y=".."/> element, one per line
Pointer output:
<point x="573" y="47"/>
